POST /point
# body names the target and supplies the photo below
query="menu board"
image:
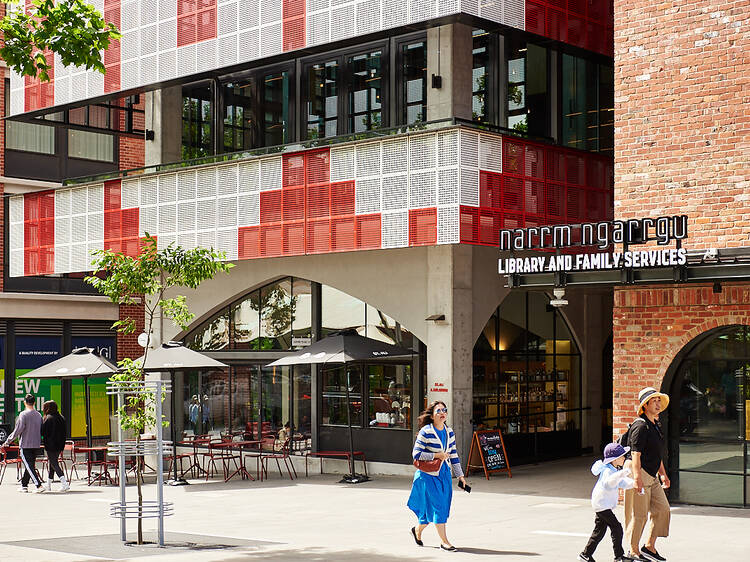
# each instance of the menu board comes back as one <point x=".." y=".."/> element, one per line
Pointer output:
<point x="488" y="452"/>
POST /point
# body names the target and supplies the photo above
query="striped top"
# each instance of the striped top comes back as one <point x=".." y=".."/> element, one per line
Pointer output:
<point x="428" y="443"/>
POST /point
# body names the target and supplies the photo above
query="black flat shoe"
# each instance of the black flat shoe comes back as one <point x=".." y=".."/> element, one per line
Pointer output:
<point x="416" y="540"/>
<point x="450" y="548"/>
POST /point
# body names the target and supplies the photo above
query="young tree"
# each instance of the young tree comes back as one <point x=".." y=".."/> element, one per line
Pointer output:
<point x="73" y="29"/>
<point x="150" y="276"/>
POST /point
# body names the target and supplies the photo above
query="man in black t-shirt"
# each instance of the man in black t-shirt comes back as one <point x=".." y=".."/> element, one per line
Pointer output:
<point x="646" y="442"/>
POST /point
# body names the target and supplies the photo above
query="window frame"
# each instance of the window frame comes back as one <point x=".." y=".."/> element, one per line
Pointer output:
<point x="341" y="57"/>
<point x="399" y="93"/>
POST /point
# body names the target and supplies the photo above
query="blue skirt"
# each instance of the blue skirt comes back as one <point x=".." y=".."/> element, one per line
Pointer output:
<point x="431" y="496"/>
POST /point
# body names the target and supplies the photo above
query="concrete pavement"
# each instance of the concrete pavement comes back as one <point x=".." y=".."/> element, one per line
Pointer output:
<point x="542" y="513"/>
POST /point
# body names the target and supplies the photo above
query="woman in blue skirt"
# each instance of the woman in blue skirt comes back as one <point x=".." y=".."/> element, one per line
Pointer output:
<point x="431" y="492"/>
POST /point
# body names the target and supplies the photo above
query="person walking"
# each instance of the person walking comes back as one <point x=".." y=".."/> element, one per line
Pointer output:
<point x="54" y="435"/>
<point x="28" y="431"/>
<point x="646" y="441"/>
<point x="432" y="491"/>
<point x="604" y="500"/>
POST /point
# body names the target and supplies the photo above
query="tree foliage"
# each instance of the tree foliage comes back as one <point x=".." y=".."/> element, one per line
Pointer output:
<point x="73" y="29"/>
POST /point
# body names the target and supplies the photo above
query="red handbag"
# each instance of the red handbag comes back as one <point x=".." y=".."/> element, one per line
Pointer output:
<point x="428" y="466"/>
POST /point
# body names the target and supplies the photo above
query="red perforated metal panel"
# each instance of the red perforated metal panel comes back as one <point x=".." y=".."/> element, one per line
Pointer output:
<point x="422" y="226"/>
<point x="489" y="189"/>
<point x="585" y="23"/>
<point x="248" y="242"/>
<point x="38" y="94"/>
<point x="293" y="24"/>
<point x="121" y="226"/>
<point x="369" y="232"/>
<point x="112" y="82"/>
<point x="39" y="233"/>
<point x="196" y="21"/>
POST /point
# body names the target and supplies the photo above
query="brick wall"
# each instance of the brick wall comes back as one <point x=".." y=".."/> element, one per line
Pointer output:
<point x="682" y="125"/>
<point x="133" y="150"/>
<point x="127" y="345"/>
<point x="682" y="146"/>
<point x="652" y="324"/>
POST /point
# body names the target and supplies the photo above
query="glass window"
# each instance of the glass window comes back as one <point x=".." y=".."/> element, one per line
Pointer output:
<point x="528" y="89"/>
<point x="239" y="116"/>
<point x="414" y="82"/>
<point x="196" y="122"/>
<point x="334" y="395"/>
<point x="276" y="397"/>
<point x="275" y="97"/>
<point x="341" y="311"/>
<point x="364" y="92"/>
<point x="246" y="401"/>
<point x="302" y="406"/>
<point x="389" y="403"/>
<point x="246" y="322"/>
<point x="91" y="146"/>
<point x="212" y="335"/>
<point x="587" y="104"/>
<point x="29" y="137"/>
<point x="214" y="402"/>
<point x="277" y="309"/>
<point x="480" y="75"/>
<point x="302" y="313"/>
<point x="606" y="109"/>
<point x="322" y="100"/>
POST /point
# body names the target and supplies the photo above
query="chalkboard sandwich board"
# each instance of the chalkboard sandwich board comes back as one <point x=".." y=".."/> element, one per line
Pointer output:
<point x="488" y="453"/>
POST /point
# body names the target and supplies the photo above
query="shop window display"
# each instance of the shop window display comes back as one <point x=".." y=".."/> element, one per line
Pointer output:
<point x="527" y="378"/>
<point x="389" y="401"/>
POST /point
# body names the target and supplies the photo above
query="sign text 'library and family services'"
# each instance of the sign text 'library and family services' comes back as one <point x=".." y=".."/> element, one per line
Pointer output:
<point x="603" y="235"/>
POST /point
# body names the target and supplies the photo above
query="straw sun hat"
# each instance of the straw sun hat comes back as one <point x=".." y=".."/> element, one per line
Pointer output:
<point x="647" y="394"/>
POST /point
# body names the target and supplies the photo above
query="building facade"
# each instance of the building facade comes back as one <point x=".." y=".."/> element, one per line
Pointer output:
<point x="356" y="160"/>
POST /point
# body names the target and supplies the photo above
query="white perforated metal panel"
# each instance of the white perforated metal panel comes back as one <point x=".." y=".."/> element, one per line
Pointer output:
<point x="226" y="22"/>
<point x="270" y="40"/>
<point x="367" y="196"/>
<point x="62" y="203"/>
<point x="342" y="22"/>
<point x="514" y="13"/>
<point x="206" y="182"/>
<point x="249" y="45"/>
<point x="185" y="216"/>
<point x="318" y="28"/>
<point x="491" y="9"/>
<point x="395" y="192"/>
<point x="206" y="55"/>
<point x="167" y="188"/>
<point x="270" y="10"/>
<point x="395" y="229"/>
<point x="226" y="212"/>
<point x="448" y="227"/>
<point x="186" y="60"/>
<point x="226" y="241"/>
<point x="96" y="197"/>
<point x="447" y="186"/>
<point x="165" y="240"/>
<point x="148" y="220"/>
<point x="228" y="52"/>
<point x="447" y="7"/>
<point x="249" y="14"/>
<point x="422" y="152"/>
<point x="368" y="16"/>
<point x="342" y="163"/>
<point x="167" y="219"/>
<point x="186" y="240"/>
<point x="248" y="209"/>
<point x="422" y="190"/>
<point x="395" y="156"/>
<point x="168" y="35"/>
<point x="149" y="190"/>
<point x="226" y="180"/>
<point x="270" y="173"/>
<point x="167" y="65"/>
<point x="368" y="160"/>
<point x="249" y="177"/>
<point x="148" y="40"/>
<point x="149" y="70"/>
<point x="395" y="13"/>
<point x="206" y="239"/>
<point x="167" y="9"/>
<point x="206" y="214"/>
<point x="186" y="185"/>
<point x="469" y="187"/>
<point x="491" y="153"/>
<point x="447" y="147"/>
<point x="421" y="10"/>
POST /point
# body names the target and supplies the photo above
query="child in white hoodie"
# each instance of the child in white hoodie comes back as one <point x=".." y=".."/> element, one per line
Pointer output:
<point x="604" y="500"/>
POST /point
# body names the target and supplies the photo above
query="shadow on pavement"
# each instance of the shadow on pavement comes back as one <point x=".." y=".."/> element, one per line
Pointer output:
<point x="488" y="552"/>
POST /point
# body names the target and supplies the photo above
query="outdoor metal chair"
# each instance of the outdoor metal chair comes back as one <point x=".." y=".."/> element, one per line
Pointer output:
<point x="5" y="462"/>
<point x="281" y="455"/>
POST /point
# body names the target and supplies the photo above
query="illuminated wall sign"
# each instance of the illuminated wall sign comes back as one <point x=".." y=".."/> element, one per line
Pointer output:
<point x="662" y="230"/>
<point x="593" y="261"/>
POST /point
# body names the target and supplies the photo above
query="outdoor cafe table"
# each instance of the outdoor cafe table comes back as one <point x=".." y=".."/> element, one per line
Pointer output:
<point x="104" y="474"/>
<point x="241" y="446"/>
<point x="196" y="467"/>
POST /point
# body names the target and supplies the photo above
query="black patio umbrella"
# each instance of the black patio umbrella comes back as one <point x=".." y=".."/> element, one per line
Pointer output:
<point x="171" y="357"/>
<point x="345" y="347"/>
<point x="81" y="363"/>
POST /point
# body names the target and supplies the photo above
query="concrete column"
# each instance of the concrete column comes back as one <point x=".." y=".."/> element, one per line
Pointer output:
<point x="449" y="343"/>
<point x="164" y="117"/>
<point x="449" y="56"/>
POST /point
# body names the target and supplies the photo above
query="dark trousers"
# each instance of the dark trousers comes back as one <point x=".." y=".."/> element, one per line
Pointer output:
<point x="605" y="519"/>
<point x="53" y="457"/>
<point x="28" y="457"/>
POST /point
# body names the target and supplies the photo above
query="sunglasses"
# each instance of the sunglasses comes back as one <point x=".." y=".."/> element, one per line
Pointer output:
<point x="441" y="410"/>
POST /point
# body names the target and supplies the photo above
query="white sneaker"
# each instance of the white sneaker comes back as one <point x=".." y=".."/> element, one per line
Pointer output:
<point x="48" y="486"/>
<point x="64" y="484"/>
<point x="23" y="490"/>
<point x="39" y="490"/>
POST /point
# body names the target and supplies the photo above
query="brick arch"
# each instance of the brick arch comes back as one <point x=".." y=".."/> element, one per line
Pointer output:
<point x="690" y="336"/>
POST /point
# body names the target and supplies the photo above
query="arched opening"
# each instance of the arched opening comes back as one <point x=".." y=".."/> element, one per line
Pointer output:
<point x="708" y="431"/>
<point x="527" y="379"/>
<point x="257" y="401"/>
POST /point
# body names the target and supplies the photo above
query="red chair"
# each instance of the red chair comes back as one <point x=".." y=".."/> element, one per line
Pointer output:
<point x="5" y="462"/>
<point x="281" y="455"/>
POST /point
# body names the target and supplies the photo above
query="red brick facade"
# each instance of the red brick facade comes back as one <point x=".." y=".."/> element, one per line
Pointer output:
<point x="127" y="345"/>
<point x="682" y="146"/>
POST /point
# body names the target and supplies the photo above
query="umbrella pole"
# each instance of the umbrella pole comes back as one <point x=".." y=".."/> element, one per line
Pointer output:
<point x="87" y="404"/>
<point x="352" y="477"/>
<point x="175" y="480"/>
